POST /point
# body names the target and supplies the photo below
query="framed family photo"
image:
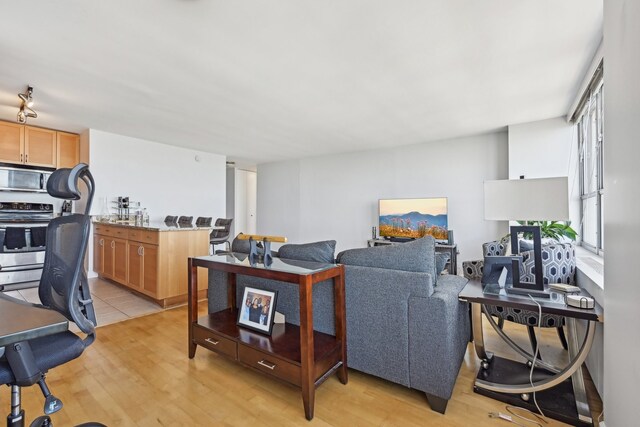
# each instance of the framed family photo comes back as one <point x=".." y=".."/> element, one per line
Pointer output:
<point x="257" y="309"/>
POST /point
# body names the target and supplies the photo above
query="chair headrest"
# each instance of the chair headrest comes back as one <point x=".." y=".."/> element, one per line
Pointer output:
<point x="63" y="183"/>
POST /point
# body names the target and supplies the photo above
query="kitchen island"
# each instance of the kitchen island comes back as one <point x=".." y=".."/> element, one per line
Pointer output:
<point x="150" y="259"/>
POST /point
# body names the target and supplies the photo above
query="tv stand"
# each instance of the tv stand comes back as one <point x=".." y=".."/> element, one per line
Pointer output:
<point x="452" y="250"/>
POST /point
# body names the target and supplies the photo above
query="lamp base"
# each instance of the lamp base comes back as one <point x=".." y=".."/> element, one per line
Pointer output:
<point x="524" y="291"/>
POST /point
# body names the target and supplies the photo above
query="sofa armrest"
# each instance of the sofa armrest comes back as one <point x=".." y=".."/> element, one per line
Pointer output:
<point x="439" y="334"/>
<point x="377" y="302"/>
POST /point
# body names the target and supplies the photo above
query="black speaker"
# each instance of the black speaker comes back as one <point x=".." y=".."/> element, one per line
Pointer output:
<point x="450" y="237"/>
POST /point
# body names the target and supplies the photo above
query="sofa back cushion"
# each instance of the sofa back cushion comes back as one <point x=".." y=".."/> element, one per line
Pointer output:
<point x="317" y="251"/>
<point x="417" y="256"/>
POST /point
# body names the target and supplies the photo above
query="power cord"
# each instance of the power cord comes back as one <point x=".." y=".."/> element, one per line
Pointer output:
<point x="535" y="354"/>
<point x="509" y="418"/>
<point x="510" y="408"/>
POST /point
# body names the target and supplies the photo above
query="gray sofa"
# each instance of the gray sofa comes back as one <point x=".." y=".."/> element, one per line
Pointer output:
<point x="402" y="325"/>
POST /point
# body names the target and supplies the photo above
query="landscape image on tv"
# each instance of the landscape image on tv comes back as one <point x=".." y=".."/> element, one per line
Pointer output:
<point x="413" y="218"/>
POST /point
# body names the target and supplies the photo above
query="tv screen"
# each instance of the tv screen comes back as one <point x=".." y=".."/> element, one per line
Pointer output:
<point x="413" y="218"/>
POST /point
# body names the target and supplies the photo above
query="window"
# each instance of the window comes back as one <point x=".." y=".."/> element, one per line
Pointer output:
<point x="590" y="139"/>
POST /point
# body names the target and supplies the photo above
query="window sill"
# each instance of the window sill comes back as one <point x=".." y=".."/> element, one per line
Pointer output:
<point x="590" y="274"/>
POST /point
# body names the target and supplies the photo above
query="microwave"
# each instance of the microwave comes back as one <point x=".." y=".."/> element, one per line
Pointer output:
<point x="28" y="180"/>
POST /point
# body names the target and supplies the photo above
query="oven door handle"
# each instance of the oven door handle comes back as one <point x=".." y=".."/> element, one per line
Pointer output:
<point x="14" y="269"/>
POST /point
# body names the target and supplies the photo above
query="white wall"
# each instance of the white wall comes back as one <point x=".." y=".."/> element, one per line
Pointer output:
<point x="336" y="197"/>
<point x="167" y="180"/>
<point x="621" y="207"/>
<point x="547" y="148"/>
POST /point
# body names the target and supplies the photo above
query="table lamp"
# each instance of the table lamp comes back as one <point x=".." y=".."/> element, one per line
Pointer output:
<point x="541" y="199"/>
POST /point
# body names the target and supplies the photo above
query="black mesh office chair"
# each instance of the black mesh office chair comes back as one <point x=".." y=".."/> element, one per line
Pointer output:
<point x="64" y="288"/>
<point x="185" y="221"/>
<point x="218" y="237"/>
<point x="171" y="220"/>
<point x="203" y="221"/>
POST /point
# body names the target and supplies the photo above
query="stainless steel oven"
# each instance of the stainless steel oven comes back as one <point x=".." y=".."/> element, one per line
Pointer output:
<point x="23" y="242"/>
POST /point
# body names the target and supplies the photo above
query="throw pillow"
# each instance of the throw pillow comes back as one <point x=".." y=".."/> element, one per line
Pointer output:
<point x="241" y="246"/>
<point x="317" y="251"/>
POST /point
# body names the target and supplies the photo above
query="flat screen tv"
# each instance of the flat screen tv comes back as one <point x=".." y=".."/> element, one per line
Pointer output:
<point x="413" y="218"/>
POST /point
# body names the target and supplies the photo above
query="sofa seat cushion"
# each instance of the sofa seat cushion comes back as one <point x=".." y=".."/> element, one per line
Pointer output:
<point x="417" y="256"/>
<point x="322" y="251"/>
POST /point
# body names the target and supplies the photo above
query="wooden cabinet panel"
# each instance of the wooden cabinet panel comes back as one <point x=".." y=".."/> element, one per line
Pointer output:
<point x="150" y="268"/>
<point x="11" y="143"/>
<point x="120" y="261"/>
<point x="98" y="254"/>
<point x="107" y="257"/>
<point x="67" y="150"/>
<point x="135" y="265"/>
<point x="40" y="147"/>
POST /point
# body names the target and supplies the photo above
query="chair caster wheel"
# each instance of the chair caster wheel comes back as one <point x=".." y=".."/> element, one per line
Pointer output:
<point x="484" y="364"/>
<point x="525" y="396"/>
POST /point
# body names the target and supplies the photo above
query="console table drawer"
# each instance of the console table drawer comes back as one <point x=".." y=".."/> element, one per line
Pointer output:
<point x="269" y="364"/>
<point x="144" y="236"/>
<point x="215" y="342"/>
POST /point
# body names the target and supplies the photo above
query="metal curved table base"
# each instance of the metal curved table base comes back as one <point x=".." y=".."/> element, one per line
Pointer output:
<point x="522" y="352"/>
<point x="573" y="369"/>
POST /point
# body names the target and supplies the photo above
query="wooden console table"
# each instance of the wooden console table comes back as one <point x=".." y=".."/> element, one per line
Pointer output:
<point x="452" y="250"/>
<point x="297" y="355"/>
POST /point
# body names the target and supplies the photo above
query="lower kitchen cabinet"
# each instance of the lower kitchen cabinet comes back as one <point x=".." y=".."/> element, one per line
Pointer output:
<point x="143" y="268"/>
<point x="150" y="261"/>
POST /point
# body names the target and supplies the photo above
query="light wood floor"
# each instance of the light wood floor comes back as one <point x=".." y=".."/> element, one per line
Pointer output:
<point x="137" y="373"/>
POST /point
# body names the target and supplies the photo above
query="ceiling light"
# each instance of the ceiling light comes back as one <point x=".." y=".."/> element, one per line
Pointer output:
<point x="25" y="108"/>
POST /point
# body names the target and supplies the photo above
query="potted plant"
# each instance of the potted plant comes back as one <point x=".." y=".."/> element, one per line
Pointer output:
<point x="552" y="230"/>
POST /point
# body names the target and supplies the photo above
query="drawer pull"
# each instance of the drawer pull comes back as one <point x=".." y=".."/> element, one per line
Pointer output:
<point x="267" y="364"/>
<point x="210" y="341"/>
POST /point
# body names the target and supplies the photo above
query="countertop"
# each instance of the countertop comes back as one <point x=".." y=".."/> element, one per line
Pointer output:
<point x="156" y="226"/>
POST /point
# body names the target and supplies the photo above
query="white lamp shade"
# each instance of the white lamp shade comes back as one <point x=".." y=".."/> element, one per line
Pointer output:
<point x="541" y="199"/>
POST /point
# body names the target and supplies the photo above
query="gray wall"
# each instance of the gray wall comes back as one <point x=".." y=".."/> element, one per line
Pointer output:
<point x="336" y="197"/>
<point x="621" y="207"/>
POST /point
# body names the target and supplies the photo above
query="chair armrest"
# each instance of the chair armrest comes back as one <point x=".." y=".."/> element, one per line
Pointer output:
<point x="377" y="319"/>
<point x="439" y="331"/>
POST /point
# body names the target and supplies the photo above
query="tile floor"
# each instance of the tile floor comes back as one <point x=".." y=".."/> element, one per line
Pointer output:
<point x="111" y="302"/>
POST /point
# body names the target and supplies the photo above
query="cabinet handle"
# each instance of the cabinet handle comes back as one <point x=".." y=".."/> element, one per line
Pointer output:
<point x="210" y="341"/>
<point x="26" y="158"/>
<point x="267" y="365"/>
<point x="101" y="243"/>
<point x="141" y="250"/>
<point x="21" y="157"/>
<point x="113" y="244"/>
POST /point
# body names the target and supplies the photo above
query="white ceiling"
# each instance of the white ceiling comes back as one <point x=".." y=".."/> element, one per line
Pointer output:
<point x="270" y="80"/>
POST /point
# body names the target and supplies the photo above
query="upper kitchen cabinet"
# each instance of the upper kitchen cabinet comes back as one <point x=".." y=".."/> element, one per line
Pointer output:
<point x="68" y="150"/>
<point x="11" y="143"/>
<point x="39" y="147"/>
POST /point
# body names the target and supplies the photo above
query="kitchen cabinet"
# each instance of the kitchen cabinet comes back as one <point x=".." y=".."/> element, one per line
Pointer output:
<point x="155" y="259"/>
<point x="33" y="146"/>
<point x="67" y="149"/>
<point x="39" y="147"/>
<point x="11" y="143"/>
<point x="143" y="267"/>
<point x="110" y="256"/>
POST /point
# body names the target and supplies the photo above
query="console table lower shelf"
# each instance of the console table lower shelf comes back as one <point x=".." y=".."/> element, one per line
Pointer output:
<point x="277" y="355"/>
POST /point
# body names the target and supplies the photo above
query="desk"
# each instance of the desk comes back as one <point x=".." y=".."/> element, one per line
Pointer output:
<point x="452" y="250"/>
<point x="297" y="355"/>
<point x="560" y="391"/>
<point x="22" y="321"/>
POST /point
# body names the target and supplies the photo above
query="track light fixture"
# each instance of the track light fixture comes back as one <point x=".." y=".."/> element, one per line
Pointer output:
<point x="26" y="106"/>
